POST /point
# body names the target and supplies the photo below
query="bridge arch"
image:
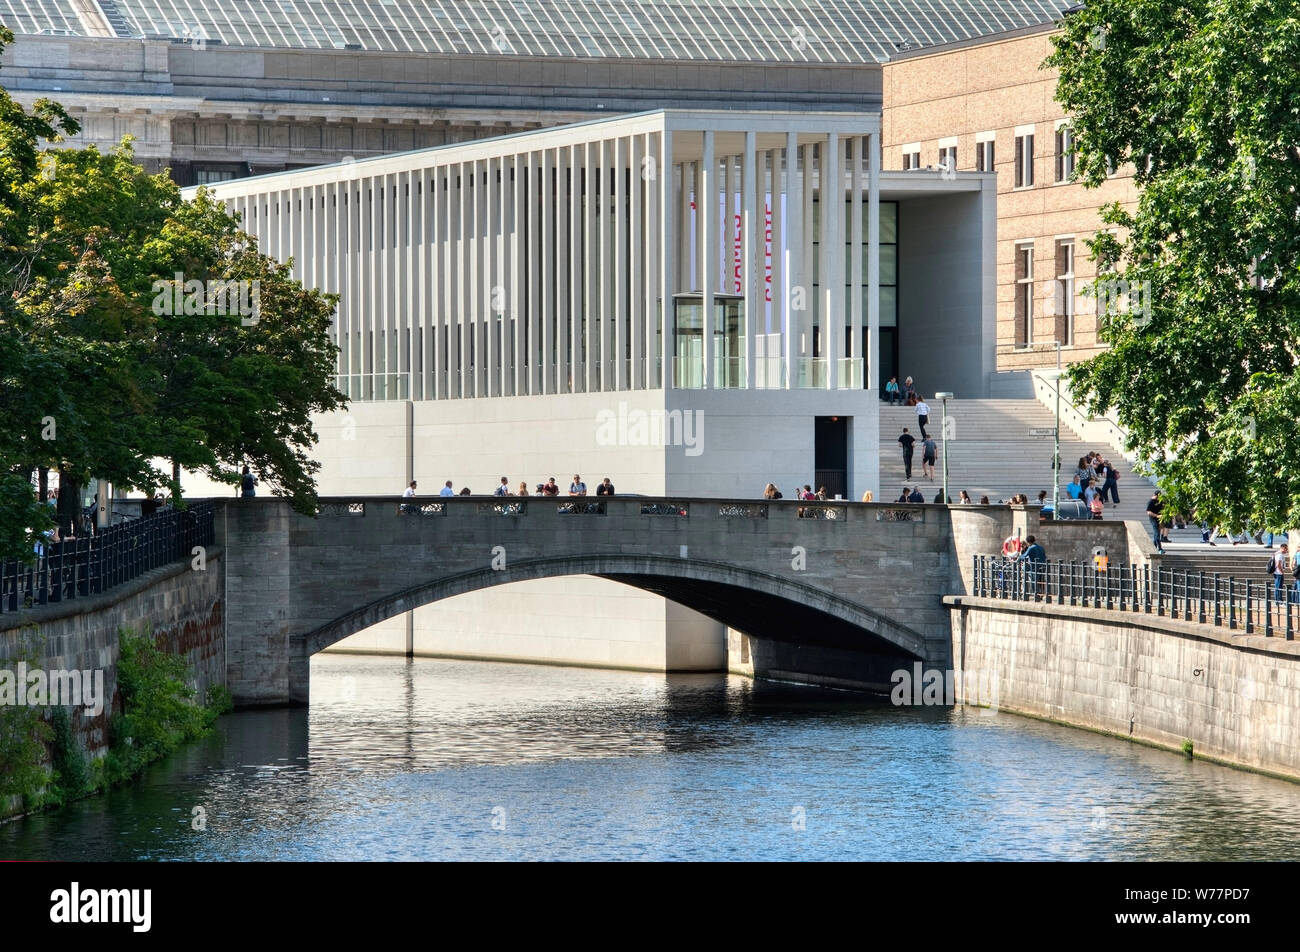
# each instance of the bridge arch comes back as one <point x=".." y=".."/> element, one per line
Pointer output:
<point x="762" y="604"/>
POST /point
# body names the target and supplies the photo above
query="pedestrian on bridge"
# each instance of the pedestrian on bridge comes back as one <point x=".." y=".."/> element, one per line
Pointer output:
<point x="929" y="455"/>
<point x="1278" y="565"/>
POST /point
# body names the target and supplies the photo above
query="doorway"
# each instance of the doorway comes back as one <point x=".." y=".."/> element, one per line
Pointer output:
<point x="831" y="455"/>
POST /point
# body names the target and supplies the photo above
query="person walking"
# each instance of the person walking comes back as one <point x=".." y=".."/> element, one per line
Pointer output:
<point x="1154" y="508"/>
<point x="929" y="454"/>
<point x="922" y="417"/>
<point x="906" y="441"/>
<point x="1110" y="482"/>
<point x="503" y="489"/>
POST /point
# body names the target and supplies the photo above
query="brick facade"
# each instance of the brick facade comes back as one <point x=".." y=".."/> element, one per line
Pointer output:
<point x="995" y="89"/>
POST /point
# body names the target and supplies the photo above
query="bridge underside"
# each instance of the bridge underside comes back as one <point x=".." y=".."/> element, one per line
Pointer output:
<point x="762" y="615"/>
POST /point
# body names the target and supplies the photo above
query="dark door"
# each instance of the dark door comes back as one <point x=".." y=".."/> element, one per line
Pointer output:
<point x="831" y="449"/>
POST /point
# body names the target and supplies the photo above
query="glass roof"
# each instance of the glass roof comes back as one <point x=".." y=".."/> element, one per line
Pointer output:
<point x="762" y="31"/>
<point x="39" y="16"/>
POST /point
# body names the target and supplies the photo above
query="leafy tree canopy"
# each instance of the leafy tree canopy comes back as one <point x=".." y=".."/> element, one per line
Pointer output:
<point x="1202" y="97"/>
<point x="135" y="325"/>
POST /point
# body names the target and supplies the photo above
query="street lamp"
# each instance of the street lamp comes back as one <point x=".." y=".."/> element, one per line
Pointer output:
<point x="1055" y="377"/>
<point x="945" y="396"/>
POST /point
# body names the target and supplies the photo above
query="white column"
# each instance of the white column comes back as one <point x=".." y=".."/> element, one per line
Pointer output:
<point x="514" y="247"/>
<point x="832" y="195"/>
<point x="638" y="248"/>
<point x="542" y="253"/>
<point x="563" y="259"/>
<point x="577" y="361"/>
<point x="872" y="370"/>
<point x="669" y="235"/>
<point x="466" y="298"/>
<point x="707" y="201"/>
<point x="751" y="237"/>
<point x="591" y="239"/>
<point x="622" y="279"/>
<point x="856" y="144"/>
<point x="806" y="264"/>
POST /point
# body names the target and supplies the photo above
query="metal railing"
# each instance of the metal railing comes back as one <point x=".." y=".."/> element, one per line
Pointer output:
<point x="77" y="568"/>
<point x="1251" y="606"/>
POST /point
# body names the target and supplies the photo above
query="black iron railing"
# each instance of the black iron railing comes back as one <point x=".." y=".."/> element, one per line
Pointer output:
<point x="1252" y="606"/>
<point x="76" y="568"/>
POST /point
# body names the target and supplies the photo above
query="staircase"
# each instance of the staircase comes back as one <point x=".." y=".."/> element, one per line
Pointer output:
<point x="1247" y="561"/>
<point x="991" y="452"/>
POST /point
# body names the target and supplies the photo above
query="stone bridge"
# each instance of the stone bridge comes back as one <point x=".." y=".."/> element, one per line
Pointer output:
<point x="860" y="585"/>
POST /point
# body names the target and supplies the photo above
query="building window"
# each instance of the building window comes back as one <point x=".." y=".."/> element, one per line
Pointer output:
<point x="1025" y="160"/>
<point x="212" y="176"/>
<point x="948" y="158"/>
<point x="1024" y="329"/>
<point x="911" y="156"/>
<point x="1064" y="153"/>
<point x="984" y="156"/>
<point x="1063" y="292"/>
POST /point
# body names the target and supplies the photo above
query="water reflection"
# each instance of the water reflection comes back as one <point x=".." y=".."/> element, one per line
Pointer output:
<point x="464" y="760"/>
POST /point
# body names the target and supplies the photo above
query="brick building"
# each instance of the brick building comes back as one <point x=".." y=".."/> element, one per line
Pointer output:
<point x="986" y="105"/>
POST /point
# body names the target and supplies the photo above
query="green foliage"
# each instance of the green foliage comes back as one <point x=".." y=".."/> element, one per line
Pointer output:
<point x="219" y="700"/>
<point x="71" y="774"/>
<point x="1200" y="97"/>
<point x="158" y="710"/>
<point x="23" y="774"/>
<point x="1187" y="748"/>
<point x="87" y="341"/>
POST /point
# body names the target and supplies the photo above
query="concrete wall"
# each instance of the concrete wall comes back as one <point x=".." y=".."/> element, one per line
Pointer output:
<point x="946" y="303"/>
<point x="183" y="608"/>
<point x="1161" y="681"/>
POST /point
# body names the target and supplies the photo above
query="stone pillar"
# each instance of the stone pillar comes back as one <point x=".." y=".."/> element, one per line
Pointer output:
<point x="254" y="534"/>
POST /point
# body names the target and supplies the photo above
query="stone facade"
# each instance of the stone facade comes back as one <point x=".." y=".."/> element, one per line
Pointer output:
<point x="1234" y="696"/>
<point x="183" y="608"/>
<point x="993" y="90"/>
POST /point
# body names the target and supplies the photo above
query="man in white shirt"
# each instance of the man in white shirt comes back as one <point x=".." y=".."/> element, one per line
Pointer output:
<point x="408" y="493"/>
<point x="447" y="490"/>
<point x="923" y="417"/>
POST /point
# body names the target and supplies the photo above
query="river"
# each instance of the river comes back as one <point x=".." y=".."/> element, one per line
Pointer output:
<point x="437" y="759"/>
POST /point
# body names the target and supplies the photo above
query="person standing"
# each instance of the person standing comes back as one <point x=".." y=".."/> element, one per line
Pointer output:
<point x="577" y="487"/>
<point x="916" y="495"/>
<point x="1277" y="564"/>
<point x="1154" y="508"/>
<point x="408" y="493"/>
<point x="929" y="454"/>
<point x="247" y="484"/>
<point x="606" y="488"/>
<point x="447" y="490"/>
<point x="503" y="489"/>
<point x="552" y="488"/>
<point x="906" y="441"/>
<point x="922" y="417"/>
<point x="1035" y="559"/>
<point x="1110" y="484"/>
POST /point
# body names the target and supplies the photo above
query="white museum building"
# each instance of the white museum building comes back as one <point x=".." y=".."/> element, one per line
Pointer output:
<point x="691" y="303"/>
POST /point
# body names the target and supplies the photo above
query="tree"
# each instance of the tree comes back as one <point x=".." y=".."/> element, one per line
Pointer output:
<point x="135" y="325"/>
<point x="1203" y="99"/>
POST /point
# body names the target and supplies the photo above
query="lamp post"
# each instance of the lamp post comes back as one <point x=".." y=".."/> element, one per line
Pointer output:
<point x="1055" y="377"/>
<point x="945" y="396"/>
